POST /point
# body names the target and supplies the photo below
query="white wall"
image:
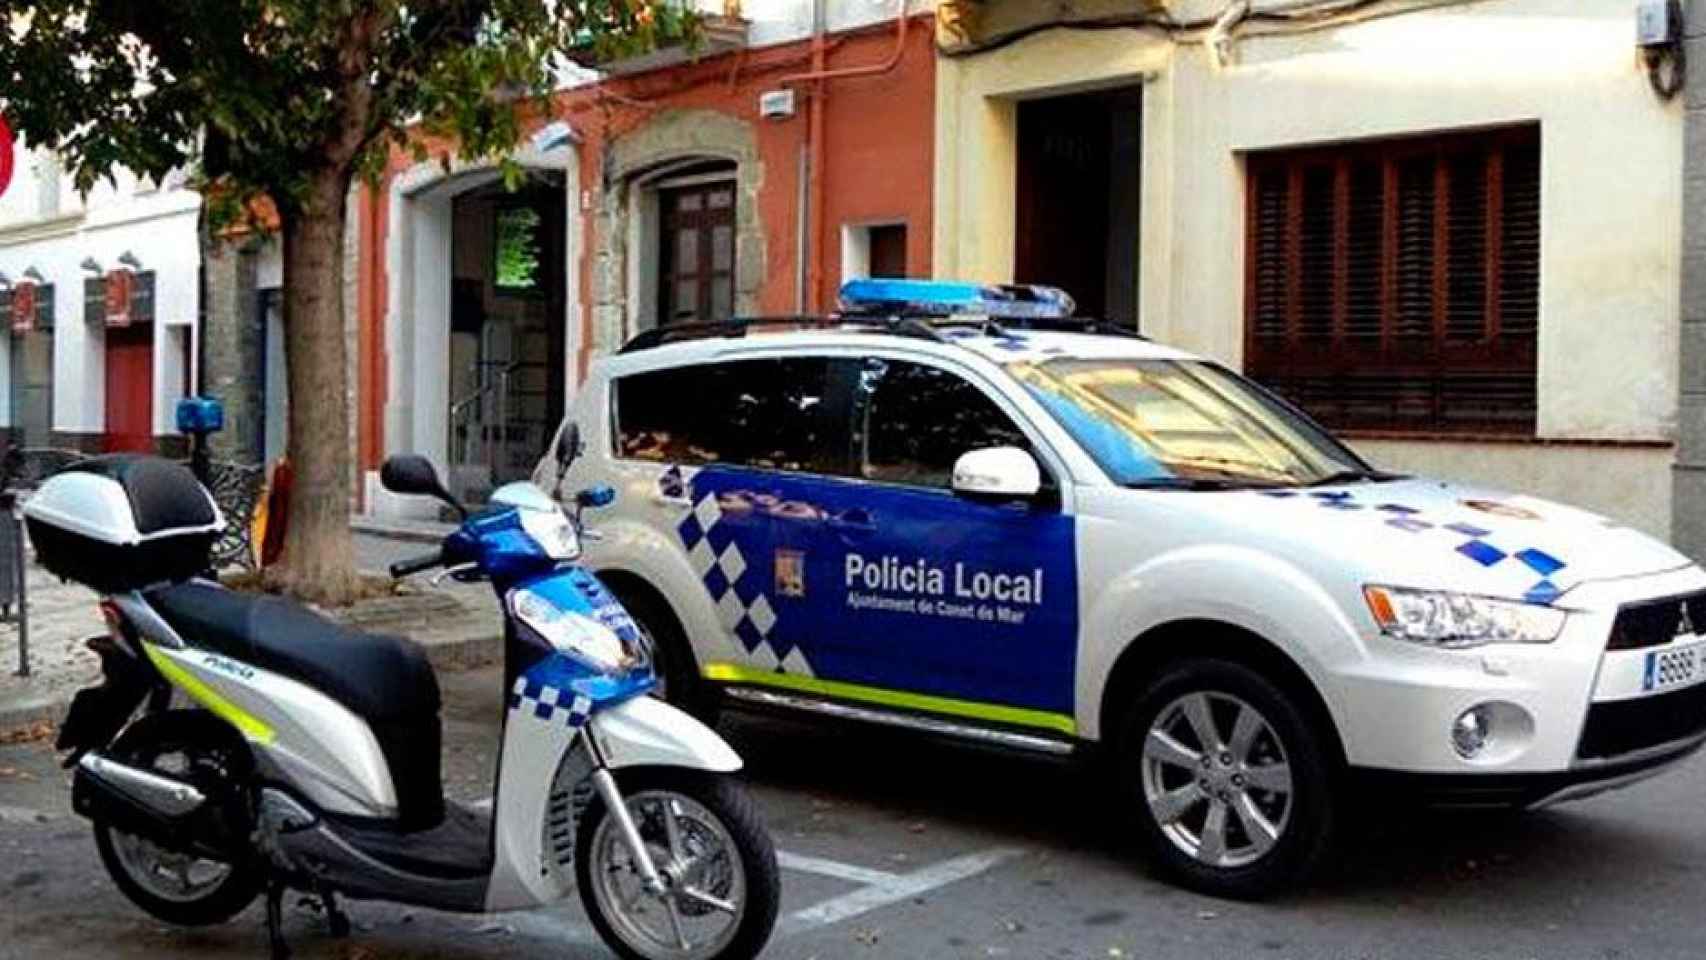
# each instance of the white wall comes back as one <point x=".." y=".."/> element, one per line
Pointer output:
<point x="1611" y="157"/>
<point x="783" y="21"/>
<point x="157" y="225"/>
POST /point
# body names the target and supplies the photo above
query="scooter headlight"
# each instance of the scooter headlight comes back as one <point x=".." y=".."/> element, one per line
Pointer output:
<point x="573" y="634"/>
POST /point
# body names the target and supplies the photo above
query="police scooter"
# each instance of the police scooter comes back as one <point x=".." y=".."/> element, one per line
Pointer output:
<point x="312" y="763"/>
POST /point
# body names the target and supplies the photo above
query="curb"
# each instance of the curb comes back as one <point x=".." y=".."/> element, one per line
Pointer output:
<point x="420" y="532"/>
<point x="449" y="656"/>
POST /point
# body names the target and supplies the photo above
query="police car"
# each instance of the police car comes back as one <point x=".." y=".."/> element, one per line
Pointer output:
<point x="960" y="510"/>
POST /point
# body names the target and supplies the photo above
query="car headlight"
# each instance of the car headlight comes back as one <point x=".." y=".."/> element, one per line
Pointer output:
<point x="574" y="634"/>
<point x="1457" y="620"/>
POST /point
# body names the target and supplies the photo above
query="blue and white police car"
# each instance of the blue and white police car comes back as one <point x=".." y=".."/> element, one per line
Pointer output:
<point x="957" y="509"/>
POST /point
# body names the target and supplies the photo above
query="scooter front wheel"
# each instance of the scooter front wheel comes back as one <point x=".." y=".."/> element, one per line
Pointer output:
<point x="722" y="887"/>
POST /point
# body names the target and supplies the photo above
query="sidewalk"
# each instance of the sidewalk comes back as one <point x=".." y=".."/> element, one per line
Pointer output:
<point x="459" y="625"/>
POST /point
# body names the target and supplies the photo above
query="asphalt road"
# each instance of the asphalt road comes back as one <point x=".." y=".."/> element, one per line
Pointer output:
<point x="896" y="848"/>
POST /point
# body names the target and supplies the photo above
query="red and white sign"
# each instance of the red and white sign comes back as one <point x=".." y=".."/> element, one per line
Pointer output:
<point x="5" y="155"/>
<point x="119" y="284"/>
<point x="23" y="316"/>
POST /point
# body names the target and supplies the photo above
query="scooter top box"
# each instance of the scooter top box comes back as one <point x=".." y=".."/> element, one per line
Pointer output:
<point x="122" y="522"/>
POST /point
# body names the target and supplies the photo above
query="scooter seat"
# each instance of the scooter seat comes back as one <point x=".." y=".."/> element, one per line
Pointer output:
<point x="379" y="677"/>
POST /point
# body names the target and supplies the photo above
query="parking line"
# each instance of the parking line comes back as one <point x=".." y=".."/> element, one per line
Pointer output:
<point x="900" y="887"/>
<point x="864" y="876"/>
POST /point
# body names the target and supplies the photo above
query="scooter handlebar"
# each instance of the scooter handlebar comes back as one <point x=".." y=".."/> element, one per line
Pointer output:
<point x="403" y="568"/>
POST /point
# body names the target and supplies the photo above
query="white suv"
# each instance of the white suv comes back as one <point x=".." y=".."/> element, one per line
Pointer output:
<point x="1026" y="535"/>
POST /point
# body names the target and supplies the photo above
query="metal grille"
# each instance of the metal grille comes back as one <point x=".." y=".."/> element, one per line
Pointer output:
<point x="1624" y="726"/>
<point x="1652" y="623"/>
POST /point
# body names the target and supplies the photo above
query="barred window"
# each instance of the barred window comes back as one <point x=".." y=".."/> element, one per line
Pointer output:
<point x="1394" y="285"/>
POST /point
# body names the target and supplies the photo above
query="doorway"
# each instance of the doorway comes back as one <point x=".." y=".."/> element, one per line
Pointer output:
<point x="129" y="389"/>
<point x="506" y="375"/>
<point x="1076" y="210"/>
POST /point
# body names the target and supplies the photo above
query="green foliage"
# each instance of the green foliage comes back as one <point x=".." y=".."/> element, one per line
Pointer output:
<point x="272" y="97"/>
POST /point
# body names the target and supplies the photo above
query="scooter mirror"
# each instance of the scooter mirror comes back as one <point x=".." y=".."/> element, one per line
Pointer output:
<point x="599" y="496"/>
<point x="568" y="445"/>
<point x="410" y="473"/>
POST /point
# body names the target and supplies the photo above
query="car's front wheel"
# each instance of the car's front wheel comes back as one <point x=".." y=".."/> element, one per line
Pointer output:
<point x="1231" y="783"/>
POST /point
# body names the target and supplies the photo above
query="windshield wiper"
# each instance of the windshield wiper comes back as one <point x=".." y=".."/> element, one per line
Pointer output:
<point x="1355" y="476"/>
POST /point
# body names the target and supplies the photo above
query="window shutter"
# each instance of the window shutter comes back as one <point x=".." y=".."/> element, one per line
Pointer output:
<point x="95" y="300"/>
<point x="44" y="307"/>
<point x="1394" y="285"/>
<point x="142" y="298"/>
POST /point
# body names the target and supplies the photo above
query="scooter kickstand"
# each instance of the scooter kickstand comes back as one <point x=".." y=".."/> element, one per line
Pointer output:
<point x="336" y="920"/>
<point x="275" y="921"/>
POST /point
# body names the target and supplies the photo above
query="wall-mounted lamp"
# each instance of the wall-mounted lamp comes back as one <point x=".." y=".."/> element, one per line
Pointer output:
<point x="34" y="275"/>
<point x="129" y="259"/>
<point x="92" y="265"/>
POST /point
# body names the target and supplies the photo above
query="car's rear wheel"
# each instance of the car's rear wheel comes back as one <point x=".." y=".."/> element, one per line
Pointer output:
<point x="1231" y="783"/>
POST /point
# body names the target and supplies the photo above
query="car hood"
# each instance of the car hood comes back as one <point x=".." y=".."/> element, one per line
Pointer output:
<point x="1430" y="534"/>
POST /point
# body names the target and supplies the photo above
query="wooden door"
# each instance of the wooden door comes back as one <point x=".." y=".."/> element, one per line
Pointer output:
<point x="697" y="257"/>
<point x="130" y="389"/>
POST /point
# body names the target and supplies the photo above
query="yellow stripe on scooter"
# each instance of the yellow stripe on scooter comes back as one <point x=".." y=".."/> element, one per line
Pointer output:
<point x="251" y="726"/>
<point x="993" y="712"/>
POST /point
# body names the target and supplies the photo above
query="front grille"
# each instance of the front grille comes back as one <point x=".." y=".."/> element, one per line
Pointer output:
<point x="1624" y="726"/>
<point x="1651" y="623"/>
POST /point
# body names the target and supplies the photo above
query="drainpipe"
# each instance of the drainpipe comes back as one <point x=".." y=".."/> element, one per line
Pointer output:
<point x="817" y="77"/>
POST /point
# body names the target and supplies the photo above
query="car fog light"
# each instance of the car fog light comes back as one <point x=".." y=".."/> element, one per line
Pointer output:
<point x="1471" y="731"/>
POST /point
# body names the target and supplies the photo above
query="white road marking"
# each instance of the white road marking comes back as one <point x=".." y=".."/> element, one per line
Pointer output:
<point x="902" y="887"/>
<point x="864" y="876"/>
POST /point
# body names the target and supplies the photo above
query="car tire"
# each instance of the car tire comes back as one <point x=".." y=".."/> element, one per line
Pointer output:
<point x="1252" y="815"/>
<point x="672" y="653"/>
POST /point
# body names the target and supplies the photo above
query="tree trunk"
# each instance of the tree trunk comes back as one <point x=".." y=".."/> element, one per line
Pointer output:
<point x="318" y="564"/>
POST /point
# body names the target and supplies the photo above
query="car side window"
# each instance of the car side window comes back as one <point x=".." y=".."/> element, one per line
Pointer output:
<point x="918" y="420"/>
<point x="767" y="413"/>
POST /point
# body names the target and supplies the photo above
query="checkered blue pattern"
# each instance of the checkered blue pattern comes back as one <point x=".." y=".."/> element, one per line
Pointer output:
<point x="547" y="703"/>
<point x="1473" y="544"/>
<point x="716" y="557"/>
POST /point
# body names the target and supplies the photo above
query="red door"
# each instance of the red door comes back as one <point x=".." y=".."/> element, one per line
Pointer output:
<point x="130" y="389"/>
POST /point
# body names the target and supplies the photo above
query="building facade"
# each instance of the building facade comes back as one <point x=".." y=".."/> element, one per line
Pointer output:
<point x="795" y="149"/>
<point x="1449" y="230"/>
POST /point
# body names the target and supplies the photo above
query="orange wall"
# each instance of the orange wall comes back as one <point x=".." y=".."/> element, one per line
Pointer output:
<point x="878" y="157"/>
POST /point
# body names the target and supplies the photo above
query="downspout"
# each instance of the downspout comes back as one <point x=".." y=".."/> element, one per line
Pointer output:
<point x="817" y="77"/>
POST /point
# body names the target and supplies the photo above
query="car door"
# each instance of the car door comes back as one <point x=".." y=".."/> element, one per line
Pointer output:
<point x="899" y="592"/>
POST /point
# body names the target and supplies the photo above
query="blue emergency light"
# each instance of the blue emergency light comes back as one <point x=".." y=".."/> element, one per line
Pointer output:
<point x="947" y="298"/>
<point x="200" y="415"/>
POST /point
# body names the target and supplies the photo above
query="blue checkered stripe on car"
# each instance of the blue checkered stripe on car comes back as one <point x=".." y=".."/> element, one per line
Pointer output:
<point x="1472" y="541"/>
<point x="543" y="702"/>
<point x="716" y="557"/>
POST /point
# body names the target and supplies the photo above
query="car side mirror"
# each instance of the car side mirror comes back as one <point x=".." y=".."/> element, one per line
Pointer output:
<point x="413" y="474"/>
<point x="997" y="473"/>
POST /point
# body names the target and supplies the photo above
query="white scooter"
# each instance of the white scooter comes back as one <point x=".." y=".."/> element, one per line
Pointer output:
<point x="312" y="759"/>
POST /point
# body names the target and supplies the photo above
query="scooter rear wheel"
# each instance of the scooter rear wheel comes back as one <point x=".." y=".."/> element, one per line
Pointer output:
<point x="706" y="840"/>
<point x="175" y="887"/>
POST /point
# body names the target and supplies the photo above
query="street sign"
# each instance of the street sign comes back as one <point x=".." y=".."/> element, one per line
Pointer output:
<point x="5" y="155"/>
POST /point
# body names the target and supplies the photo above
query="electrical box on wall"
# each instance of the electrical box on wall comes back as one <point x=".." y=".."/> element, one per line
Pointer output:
<point x="1655" y="24"/>
<point x="776" y="103"/>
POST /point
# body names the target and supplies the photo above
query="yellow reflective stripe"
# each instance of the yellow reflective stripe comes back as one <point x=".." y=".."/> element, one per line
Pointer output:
<point x="1016" y="716"/>
<point x="251" y="726"/>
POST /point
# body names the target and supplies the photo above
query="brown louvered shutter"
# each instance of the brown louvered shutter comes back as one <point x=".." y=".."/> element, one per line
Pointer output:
<point x="1394" y="285"/>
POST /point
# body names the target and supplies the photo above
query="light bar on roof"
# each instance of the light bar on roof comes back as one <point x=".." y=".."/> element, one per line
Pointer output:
<point x="947" y="298"/>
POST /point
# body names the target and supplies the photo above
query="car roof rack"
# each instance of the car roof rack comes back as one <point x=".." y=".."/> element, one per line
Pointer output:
<point x="896" y="325"/>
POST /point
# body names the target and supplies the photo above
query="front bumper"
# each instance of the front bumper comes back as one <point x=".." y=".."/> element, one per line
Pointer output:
<point x="1583" y="719"/>
<point x="1505" y="791"/>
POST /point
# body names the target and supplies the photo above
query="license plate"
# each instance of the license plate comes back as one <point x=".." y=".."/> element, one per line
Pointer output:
<point x="1672" y="667"/>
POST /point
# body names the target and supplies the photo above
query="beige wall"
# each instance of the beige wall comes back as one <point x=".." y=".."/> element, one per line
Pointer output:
<point x="1611" y="157"/>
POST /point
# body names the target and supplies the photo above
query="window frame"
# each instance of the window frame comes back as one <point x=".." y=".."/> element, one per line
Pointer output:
<point x="1432" y="365"/>
<point x="703" y="223"/>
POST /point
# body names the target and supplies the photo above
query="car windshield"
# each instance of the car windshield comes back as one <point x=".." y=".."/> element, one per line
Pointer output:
<point x="1185" y="424"/>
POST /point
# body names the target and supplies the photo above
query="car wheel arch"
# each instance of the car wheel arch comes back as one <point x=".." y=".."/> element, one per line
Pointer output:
<point x="1149" y="653"/>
